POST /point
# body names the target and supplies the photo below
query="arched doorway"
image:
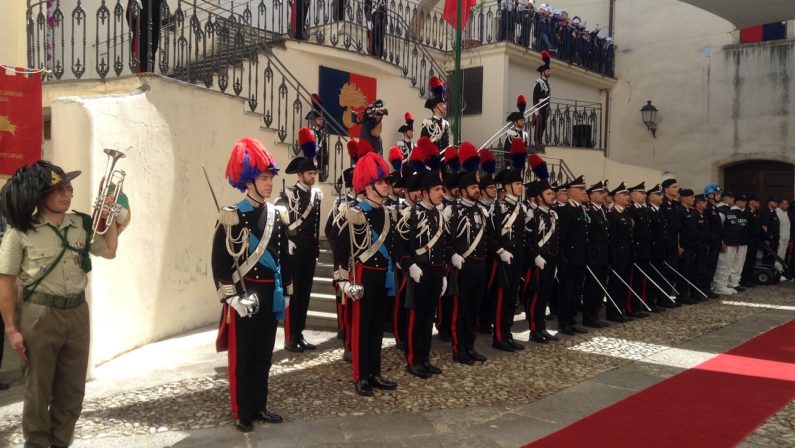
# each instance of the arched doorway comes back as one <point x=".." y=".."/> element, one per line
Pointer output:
<point x="760" y="177"/>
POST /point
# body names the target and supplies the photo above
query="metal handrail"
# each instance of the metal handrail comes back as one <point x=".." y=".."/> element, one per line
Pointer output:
<point x="502" y="130"/>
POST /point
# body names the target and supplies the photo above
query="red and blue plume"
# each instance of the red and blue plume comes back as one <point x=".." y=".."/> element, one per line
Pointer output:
<point x="436" y="85"/>
<point x="353" y="150"/>
<point x="248" y="160"/>
<point x="409" y="119"/>
<point x="521" y="103"/>
<point x="307" y="142"/>
<point x="370" y="169"/>
<point x="546" y="57"/>
<point x="452" y="159"/>
<point x="487" y="161"/>
<point x="469" y="156"/>
<point x="418" y="158"/>
<point x="364" y="148"/>
<point x="431" y="151"/>
<point x="539" y="167"/>
<point x="518" y="153"/>
<point x="395" y="158"/>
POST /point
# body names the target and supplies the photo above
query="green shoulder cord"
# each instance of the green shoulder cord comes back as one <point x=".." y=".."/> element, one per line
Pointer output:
<point x="29" y="289"/>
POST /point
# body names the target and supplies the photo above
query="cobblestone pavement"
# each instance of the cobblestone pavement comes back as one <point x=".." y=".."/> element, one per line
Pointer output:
<point x="317" y="385"/>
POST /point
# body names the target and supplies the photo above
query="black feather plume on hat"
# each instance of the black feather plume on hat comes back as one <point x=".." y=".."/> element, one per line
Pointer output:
<point x="22" y="193"/>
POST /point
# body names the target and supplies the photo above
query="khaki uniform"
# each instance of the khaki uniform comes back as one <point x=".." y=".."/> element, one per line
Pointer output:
<point x="54" y="322"/>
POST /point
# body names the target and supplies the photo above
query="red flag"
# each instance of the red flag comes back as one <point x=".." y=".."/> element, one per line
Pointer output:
<point x="450" y="7"/>
<point x="20" y="120"/>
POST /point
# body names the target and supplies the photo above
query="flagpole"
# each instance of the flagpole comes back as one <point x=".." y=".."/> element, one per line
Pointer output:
<point x="457" y="75"/>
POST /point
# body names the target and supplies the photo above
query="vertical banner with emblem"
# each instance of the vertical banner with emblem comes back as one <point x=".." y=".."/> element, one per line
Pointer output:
<point x="20" y="120"/>
<point x="344" y="92"/>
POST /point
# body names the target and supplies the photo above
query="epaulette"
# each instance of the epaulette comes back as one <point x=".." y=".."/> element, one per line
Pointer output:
<point x="406" y="212"/>
<point x="342" y="207"/>
<point x="355" y="216"/>
<point x="285" y="217"/>
<point x="393" y="213"/>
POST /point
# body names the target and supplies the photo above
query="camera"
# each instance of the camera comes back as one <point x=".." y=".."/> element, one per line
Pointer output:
<point x="377" y="108"/>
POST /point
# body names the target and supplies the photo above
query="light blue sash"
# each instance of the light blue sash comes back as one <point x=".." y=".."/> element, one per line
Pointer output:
<point x="390" y="273"/>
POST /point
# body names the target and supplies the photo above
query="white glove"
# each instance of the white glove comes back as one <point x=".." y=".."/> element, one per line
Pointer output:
<point x="540" y="262"/>
<point x="241" y="309"/>
<point x="444" y="285"/>
<point x="458" y="261"/>
<point x="290" y="247"/>
<point x="415" y="273"/>
<point x="286" y="301"/>
<point x="505" y="256"/>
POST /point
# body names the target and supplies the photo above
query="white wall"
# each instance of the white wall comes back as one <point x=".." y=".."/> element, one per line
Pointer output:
<point x="718" y="103"/>
<point x="160" y="284"/>
<point x="12" y="33"/>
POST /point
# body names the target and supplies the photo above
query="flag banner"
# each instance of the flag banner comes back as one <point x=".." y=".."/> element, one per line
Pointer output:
<point x="342" y="93"/>
<point x="450" y="8"/>
<point x="20" y="120"/>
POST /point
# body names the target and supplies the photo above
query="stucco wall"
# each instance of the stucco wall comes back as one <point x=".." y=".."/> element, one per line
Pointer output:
<point x="159" y="284"/>
<point x="595" y="167"/>
<point x="718" y="102"/>
<point x="12" y="33"/>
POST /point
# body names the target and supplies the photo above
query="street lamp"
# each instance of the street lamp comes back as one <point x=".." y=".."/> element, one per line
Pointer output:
<point x="649" y="115"/>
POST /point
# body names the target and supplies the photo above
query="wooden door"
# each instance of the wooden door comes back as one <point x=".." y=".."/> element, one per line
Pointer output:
<point x="763" y="178"/>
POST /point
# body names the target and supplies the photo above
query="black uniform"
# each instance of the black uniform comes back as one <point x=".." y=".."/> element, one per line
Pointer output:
<point x="426" y="245"/>
<point x="541" y="90"/>
<point x="755" y="235"/>
<point x="715" y="227"/>
<point x="574" y="223"/>
<point x="508" y="220"/>
<point x="485" y="318"/>
<point x="374" y="271"/>
<point x="303" y="206"/>
<point x="771" y="230"/>
<point x="706" y="240"/>
<point x="641" y="251"/>
<point x="674" y="216"/>
<point x="438" y="130"/>
<point x="599" y="262"/>
<point x="621" y="229"/>
<point x="300" y="13"/>
<point x="544" y="240"/>
<point x="250" y="340"/>
<point x="322" y="151"/>
<point x="688" y="239"/>
<point x="336" y="223"/>
<point x="659" y="230"/>
<point x="470" y="239"/>
<point x="444" y="306"/>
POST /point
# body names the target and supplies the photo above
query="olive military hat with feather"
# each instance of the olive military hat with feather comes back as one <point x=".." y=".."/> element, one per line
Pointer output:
<point x="25" y="190"/>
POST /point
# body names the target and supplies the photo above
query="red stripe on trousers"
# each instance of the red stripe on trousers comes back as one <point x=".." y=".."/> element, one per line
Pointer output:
<point x="410" y="335"/>
<point x="492" y="274"/>
<point x="527" y="277"/>
<point x="232" y="360"/>
<point x="498" y="319"/>
<point x="439" y="313"/>
<point x="533" y="302"/>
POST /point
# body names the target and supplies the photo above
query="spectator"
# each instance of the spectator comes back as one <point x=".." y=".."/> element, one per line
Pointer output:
<point x="143" y="17"/>
<point x="784" y="231"/>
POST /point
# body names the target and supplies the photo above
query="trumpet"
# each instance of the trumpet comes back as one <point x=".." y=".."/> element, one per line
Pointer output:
<point x="107" y="202"/>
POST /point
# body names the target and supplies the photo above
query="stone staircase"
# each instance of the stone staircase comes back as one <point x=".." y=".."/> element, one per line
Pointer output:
<point x="322" y="313"/>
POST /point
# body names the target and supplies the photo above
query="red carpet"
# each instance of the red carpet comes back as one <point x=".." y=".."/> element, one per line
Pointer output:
<point x="715" y="404"/>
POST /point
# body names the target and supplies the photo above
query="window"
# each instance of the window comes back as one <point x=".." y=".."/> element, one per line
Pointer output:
<point x="472" y="96"/>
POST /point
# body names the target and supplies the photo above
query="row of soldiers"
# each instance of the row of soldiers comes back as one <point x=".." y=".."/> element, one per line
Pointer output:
<point x="426" y="242"/>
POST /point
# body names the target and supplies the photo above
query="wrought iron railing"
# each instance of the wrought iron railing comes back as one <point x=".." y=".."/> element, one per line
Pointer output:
<point x="217" y="50"/>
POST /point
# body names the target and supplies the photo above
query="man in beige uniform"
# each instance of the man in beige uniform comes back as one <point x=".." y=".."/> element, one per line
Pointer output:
<point x="49" y="327"/>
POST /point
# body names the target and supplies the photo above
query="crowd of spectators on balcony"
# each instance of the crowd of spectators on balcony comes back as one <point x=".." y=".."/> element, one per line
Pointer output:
<point x="569" y="39"/>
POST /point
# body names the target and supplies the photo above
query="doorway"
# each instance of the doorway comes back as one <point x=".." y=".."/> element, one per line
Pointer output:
<point x="760" y="177"/>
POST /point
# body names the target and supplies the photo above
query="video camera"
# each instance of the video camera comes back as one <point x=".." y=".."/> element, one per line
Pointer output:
<point x="377" y="108"/>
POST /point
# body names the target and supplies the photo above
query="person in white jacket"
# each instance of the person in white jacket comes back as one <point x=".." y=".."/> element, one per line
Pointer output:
<point x="784" y="231"/>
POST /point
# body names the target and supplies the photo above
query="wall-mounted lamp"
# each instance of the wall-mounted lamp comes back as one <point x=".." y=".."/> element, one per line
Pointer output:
<point x="649" y="115"/>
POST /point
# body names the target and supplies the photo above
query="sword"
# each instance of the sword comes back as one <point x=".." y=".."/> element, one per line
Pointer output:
<point x="655" y="284"/>
<point x="664" y="279"/>
<point x="630" y="288"/>
<point x="685" y="279"/>
<point x="604" y="290"/>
